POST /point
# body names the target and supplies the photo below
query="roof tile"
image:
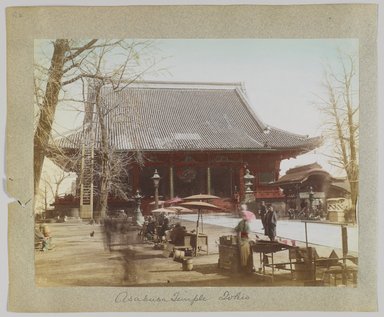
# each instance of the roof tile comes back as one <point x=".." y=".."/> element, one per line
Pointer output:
<point x="182" y="117"/>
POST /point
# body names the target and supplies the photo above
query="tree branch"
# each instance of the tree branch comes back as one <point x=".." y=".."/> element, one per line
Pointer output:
<point x="80" y="50"/>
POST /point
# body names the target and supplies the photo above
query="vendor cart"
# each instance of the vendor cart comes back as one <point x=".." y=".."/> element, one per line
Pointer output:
<point x="266" y="250"/>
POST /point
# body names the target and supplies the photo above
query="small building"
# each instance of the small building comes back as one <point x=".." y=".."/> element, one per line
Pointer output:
<point x="310" y="184"/>
<point x="201" y="138"/>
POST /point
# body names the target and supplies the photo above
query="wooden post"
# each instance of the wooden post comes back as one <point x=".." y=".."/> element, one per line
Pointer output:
<point x="241" y="183"/>
<point x="197" y="232"/>
<point x="344" y="237"/>
<point x="208" y="180"/>
<point x="171" y="185"/>
<point x="81" y="177"/>
<point x="45" y="197"/>
<point x="312" y="264"/>
<point x="136" y="177"/>
<point x="297" y="196"/>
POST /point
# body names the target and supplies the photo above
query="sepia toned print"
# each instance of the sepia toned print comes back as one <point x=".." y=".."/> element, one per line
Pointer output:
<point x="155" y="181"/>
<point x="204" y="168"/>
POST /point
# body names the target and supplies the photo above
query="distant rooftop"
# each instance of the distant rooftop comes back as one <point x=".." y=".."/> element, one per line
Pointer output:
<point x="174" y="116"/>
<point x="301" y="173"/>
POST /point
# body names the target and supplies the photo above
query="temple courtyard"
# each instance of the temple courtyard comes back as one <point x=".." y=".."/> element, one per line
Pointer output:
<point x="82" y="257"/>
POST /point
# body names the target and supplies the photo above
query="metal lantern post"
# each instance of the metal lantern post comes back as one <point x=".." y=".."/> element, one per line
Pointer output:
<point x="237" y="200"/>
<point x="156" y="180"/>
<point x="311" y="196"/>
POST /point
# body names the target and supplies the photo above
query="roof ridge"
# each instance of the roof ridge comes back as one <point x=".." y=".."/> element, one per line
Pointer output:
<point x="186" y="84"/>
<point x="303" y="136"/>
<point x="305" y="167"/>
<point x="244" y="98"/>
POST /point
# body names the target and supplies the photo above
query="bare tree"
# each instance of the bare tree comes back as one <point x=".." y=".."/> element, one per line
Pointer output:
<point x="111" y="165"/>
<point x="70" y="64"/>
<point x="48" y="107"/>
<point x="55" y="183"/>
<point x="50" y="187"/>
<point x="341" y="109"/>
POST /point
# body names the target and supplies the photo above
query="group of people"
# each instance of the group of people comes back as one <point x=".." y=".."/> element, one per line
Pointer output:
<point x="43" y="238"/>
<point x="160" y="230"/>
<point x="317" y="212"/>
<point x="269" y="221"/>
<point x="155" y="229"/>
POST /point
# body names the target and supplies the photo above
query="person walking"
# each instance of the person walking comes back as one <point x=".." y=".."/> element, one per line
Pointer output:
<point x="262" y="213"/>
<point x="271" y="223"/>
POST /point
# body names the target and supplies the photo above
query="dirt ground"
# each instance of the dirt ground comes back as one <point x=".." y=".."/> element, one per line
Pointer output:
<point x="81" y="257"/>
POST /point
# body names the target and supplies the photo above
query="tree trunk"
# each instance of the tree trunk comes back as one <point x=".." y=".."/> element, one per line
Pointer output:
<point x="353" y="174"/>
<point x="103" y="201"/>
<point x="47" y="112"/>
<point x="104" y="151"/>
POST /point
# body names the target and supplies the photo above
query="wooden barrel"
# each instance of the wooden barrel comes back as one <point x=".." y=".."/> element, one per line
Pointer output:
<point x="303" y="271"/>
<point x="178" y="255"/>
<point x="187" y="265"/>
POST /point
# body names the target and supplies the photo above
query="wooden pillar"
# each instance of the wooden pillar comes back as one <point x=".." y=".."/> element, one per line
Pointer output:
<point x="171" y="185"/>
<point x="344" y="240"/>
<point x="136" y="177"/>
<point x="297" y="195"/>
<point x="208" y="180"/>
<point x="286" y="203"/>
<point x="241" y="183"/>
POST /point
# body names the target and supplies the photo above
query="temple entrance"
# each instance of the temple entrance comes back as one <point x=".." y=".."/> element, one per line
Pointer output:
<point x="190" y="180"/>
<point x="222" y="183"/>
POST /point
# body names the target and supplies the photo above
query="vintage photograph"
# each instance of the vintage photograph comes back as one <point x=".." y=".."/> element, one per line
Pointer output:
<point x="196" y="162"/>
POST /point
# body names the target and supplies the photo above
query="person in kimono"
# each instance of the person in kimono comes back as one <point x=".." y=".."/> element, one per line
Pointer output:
<point x="243" y="232"/>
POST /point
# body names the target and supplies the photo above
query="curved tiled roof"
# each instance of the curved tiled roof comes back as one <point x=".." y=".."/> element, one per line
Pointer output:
<point x="171" y="117"/>
<point x="301" y="173"/>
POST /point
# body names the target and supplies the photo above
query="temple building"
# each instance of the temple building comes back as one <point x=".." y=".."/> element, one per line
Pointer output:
<point x="201" y="138"/>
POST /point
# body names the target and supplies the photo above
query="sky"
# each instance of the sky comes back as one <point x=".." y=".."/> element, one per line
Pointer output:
<point x="282" y="77"/>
